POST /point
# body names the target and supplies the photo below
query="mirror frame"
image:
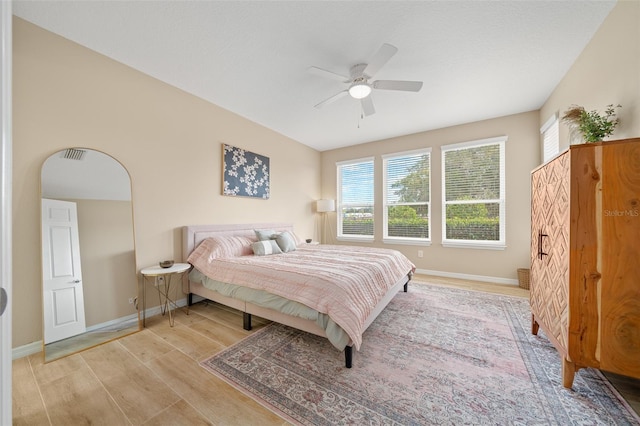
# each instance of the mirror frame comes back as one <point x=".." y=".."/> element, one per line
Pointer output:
<point x="88" y="339"/>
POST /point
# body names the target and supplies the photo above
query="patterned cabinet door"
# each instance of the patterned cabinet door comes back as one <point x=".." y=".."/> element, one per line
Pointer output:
<point x="538" y="186"/>
<point x="550" y="248"/>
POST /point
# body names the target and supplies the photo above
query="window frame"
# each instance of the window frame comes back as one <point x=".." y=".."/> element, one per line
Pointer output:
<point x="550" y="138"/>
<point x="340" y="236"/>
<point x="476" y="244"/>
<point x="385" y="211"/>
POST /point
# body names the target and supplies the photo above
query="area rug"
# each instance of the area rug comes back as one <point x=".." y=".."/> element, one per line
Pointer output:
<point x="435" y="356"/>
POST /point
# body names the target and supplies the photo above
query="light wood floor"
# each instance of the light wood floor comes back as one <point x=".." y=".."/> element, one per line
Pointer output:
<point x="153" y="377"/>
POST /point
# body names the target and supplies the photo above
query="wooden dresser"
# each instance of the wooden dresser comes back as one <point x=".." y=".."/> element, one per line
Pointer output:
<point x="585" y="256"/>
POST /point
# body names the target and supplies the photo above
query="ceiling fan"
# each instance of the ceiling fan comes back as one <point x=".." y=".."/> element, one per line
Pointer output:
<point x="358" y="80"/>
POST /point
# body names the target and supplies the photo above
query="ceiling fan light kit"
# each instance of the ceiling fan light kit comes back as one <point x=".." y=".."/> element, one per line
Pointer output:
<point x="359" y="75"/>
<point x="359" y="90"/>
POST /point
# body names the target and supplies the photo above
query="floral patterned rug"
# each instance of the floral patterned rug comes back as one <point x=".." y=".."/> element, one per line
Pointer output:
<point x="435" y="356"/>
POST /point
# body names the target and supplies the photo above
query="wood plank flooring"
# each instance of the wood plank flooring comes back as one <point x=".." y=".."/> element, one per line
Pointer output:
<point x="153" y="377"/>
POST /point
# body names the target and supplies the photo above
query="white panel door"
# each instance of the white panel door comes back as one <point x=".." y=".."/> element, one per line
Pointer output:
<point x="63" y="299"/>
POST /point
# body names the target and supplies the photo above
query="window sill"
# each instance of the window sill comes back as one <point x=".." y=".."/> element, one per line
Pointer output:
<point x="359" y="239"/>
<point x="474" y="245"/>
<point x="407" y="242"/>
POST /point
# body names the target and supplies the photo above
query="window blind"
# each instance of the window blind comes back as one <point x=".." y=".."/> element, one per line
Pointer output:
<point x="355" y="198"/>
<point x="407" y="195"/>
<point x="473" y="192"/>
<point x="550" y="138"/>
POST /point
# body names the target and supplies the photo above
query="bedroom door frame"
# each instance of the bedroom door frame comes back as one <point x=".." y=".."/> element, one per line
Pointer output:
<point x="5" y="212"/>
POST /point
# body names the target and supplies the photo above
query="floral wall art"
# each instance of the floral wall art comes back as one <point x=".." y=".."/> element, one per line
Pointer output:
<point x="244" y="173"/>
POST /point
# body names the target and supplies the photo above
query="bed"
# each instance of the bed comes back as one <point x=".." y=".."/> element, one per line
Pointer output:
<point x="290" y="288"/>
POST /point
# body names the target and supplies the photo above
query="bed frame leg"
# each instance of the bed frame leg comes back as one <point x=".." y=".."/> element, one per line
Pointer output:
<point x="246" y="321"/>
<point x="348" y="356"/>
<point x="406" y="285"/>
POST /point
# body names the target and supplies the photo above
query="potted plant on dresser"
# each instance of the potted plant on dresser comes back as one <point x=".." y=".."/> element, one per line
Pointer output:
<point x="591" y="125"/>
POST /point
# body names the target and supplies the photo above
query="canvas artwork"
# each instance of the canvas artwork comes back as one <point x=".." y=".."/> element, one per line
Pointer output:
<point x="244" y="173"/>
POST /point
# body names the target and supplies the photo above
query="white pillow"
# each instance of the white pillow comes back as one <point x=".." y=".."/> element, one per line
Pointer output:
<point x="263" y="248"/>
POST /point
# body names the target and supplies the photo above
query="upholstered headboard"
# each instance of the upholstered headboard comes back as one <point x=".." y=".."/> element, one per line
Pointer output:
<point x="193" y="235"/>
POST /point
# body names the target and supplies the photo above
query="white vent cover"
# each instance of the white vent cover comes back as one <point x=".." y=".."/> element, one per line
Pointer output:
<point x="74" y="154"/>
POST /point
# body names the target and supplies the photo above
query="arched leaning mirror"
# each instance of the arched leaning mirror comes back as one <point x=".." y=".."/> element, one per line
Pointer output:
<point x="89" y="282"/>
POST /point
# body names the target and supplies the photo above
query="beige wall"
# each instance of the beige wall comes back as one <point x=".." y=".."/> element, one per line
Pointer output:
<point x="521" y="157"/>
<point x="607" y="72"/>
<point x="169" y="141"/>
<point x="108" y="259"/>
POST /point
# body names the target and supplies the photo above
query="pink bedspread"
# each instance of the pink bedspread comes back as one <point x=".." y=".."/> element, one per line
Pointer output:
<point x="344" y="282"/>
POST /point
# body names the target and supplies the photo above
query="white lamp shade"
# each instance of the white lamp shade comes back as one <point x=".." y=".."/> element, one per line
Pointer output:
<point x="323" y="206"/>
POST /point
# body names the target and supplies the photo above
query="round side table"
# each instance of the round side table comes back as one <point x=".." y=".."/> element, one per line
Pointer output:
<point x="162" y="279"/>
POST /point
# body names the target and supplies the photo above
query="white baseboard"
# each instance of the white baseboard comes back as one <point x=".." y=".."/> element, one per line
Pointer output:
<point x="149" y="312"/>
<point x="35" y="347"/>
<point x="483" y="278"/>
<point x="26" y="350"/>
<point x="132" y="318"/>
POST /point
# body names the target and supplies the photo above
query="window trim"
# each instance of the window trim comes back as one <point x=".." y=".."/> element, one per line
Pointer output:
<point x="551" y="121"/>
<point x="477" y="244"/>
<point x="339" y="235"/>
<point x="404" y="240"/>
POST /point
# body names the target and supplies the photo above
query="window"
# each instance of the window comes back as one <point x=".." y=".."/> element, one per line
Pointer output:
<point x="355" y="199"/>
<point x="550" y="132"/>
<point x="473" y="193"/>
<point x="406" y="196"/>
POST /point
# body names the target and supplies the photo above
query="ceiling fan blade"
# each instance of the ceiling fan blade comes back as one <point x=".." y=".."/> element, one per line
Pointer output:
<point x="330" y="74"/>
<point x="332" y="99"/>
<point x="367" y="106"/>
<point x="381" y="57"/>
<point x="408" y="86"/>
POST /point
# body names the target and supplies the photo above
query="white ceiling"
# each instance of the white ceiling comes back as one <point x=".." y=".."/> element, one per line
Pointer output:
<point x="478" y="59"/>
<point x="95" y="176"/>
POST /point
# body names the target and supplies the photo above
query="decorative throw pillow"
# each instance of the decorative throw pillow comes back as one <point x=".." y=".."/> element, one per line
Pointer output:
<point x="286" y="241"/>
<point x="263" y="248"/>
<point x="265" y="234"/>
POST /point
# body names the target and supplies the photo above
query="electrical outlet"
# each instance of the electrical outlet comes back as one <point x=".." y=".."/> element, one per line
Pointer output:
<point x="420" y="253"/>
